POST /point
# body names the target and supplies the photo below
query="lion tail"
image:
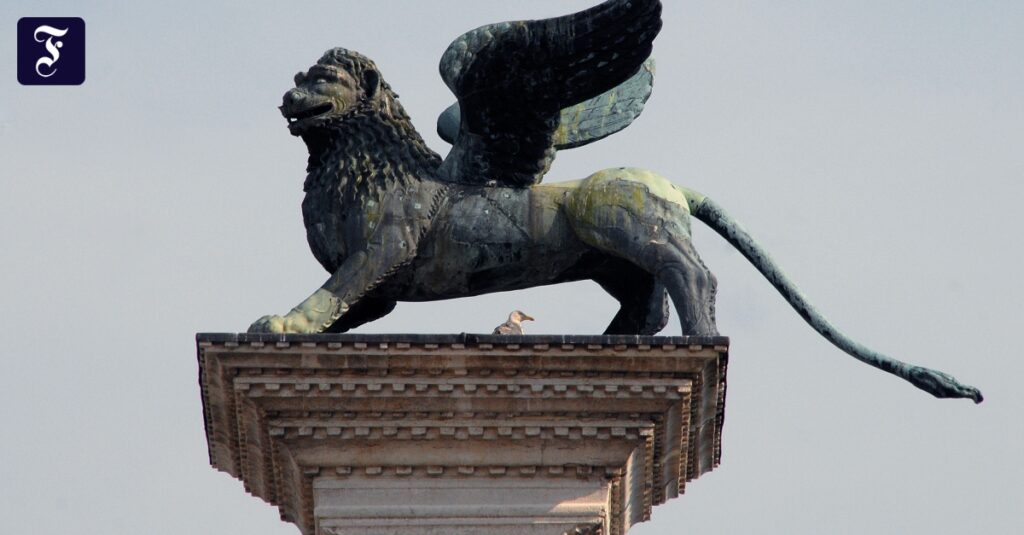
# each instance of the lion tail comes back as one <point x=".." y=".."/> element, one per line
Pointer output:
<point x="934" y="382"/>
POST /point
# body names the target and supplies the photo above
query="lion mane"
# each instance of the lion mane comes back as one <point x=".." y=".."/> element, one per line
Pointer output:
<point x="373" y="147"/>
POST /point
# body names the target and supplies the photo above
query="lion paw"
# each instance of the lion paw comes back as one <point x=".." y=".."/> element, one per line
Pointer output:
<point x="282" y="324"/>
<point x="314" y="315"/>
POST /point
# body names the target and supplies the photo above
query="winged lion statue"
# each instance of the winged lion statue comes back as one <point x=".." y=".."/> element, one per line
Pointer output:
<point x="392" y="221"/>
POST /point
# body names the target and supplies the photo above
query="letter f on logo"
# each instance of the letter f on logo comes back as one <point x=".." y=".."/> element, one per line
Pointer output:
<point x="52" y="47"/>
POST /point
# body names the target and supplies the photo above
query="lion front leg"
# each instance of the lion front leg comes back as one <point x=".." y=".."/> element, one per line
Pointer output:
<point x="347" y="288"/>
<point x="314" y="315"/>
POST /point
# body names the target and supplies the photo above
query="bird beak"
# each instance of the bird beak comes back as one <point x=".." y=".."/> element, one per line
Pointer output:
<point x="527" y="318"/>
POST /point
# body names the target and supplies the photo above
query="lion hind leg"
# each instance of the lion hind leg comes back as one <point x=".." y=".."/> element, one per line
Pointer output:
<point x="643" y="301"/>
<point x="672" y="262"/>
<point x="642" y="218"/>
<point x="675" y="266"/>
<point x="691" y="286"/>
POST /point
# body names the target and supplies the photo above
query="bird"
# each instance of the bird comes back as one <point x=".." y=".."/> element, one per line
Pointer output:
<point x="514" y="324"/>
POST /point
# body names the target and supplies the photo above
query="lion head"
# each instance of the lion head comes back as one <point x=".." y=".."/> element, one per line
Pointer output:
<point x="343" y="83"/>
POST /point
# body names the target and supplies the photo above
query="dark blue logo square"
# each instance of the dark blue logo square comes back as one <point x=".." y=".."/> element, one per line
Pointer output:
<point x="51" y="51"/>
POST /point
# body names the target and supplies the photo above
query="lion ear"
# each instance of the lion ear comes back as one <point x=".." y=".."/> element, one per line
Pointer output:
<point x="371" y="82"/>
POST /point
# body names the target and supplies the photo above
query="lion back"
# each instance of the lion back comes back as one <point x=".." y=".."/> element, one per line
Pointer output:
<point x="625" y="205"/>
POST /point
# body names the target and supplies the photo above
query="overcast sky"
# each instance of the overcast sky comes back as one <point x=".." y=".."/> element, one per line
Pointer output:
<point x="875" y="147"/>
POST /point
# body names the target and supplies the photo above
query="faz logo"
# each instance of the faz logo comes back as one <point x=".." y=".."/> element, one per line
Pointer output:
<point x="51" y="51"/>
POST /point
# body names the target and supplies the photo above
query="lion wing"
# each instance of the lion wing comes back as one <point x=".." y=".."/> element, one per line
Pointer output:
<point x="514" y="79"/>
<point x="586" y="122"/>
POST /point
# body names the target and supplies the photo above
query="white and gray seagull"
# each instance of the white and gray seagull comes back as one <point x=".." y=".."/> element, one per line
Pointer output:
<point x="514" y="324"/>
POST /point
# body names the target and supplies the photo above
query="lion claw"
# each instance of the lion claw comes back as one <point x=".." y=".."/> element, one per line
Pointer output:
<point x="268" y="324"/>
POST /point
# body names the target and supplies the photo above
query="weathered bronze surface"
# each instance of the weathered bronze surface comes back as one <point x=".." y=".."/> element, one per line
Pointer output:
<point x="393" y="221"/>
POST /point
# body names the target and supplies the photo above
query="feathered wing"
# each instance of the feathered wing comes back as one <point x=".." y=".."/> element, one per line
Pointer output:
<point x="586" y="122"/>
<point x="508" y="328"/>
<point x="513" y="79"/>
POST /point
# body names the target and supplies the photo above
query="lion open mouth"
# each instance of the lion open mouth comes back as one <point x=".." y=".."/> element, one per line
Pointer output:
<point x="310" y="113"/>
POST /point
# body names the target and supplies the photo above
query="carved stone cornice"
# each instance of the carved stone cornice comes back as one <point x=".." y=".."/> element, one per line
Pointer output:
<point x="476" y="434"/>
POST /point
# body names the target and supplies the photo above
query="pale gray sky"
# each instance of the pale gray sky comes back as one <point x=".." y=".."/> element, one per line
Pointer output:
<point x="875" y="147"/>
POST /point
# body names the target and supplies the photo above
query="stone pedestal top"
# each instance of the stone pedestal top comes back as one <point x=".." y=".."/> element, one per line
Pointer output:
<point x="388" y="434"/>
